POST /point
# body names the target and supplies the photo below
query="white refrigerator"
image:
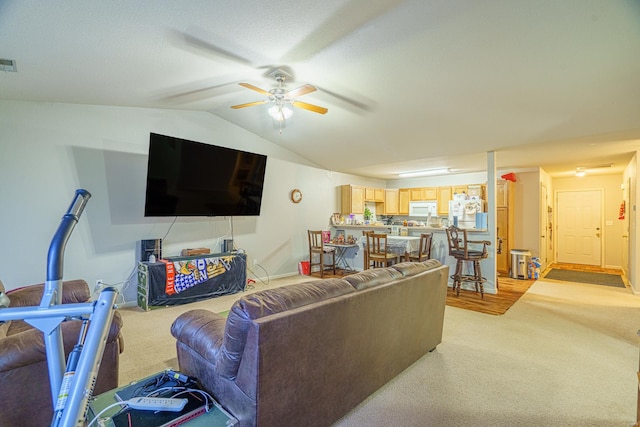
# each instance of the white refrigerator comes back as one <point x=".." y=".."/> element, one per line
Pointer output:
<point x="463" y="212"/>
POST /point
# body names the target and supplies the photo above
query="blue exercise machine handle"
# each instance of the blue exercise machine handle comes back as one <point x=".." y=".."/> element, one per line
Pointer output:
<point x="55" y="259"/>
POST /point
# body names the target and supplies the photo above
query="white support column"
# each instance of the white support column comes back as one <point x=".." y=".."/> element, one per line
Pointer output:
<point x="490" y="269"/>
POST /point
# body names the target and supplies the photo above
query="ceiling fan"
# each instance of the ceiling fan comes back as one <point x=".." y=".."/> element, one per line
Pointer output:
<point x="280" y="98"/>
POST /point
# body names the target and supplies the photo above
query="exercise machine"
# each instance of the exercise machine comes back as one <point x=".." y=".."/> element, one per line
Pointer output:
<point x="72" y="382"/>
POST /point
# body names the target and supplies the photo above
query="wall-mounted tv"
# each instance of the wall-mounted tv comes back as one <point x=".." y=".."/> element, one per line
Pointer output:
<point x="188" y="178"/>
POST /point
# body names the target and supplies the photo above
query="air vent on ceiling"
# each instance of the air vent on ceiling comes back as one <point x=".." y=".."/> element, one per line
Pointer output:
<point x="8" y="65"/>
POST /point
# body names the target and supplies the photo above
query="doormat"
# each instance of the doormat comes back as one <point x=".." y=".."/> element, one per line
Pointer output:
<point x="586" y="277"/>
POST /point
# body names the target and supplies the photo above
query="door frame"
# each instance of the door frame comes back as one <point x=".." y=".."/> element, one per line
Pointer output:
<point x="544" y="231"/>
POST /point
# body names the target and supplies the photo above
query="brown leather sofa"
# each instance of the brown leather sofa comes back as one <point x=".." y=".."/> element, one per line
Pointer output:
<point x="24" y="379"/>
<point x="306" y="354"/>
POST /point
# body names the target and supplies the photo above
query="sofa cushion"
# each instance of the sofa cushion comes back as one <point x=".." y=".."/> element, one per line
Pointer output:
<point x="264" y="303"/>
<point x="373" y="277"/>
<point x="413" y="268"/>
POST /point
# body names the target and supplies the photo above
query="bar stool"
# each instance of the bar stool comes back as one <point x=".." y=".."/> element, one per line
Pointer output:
<point x="459" y="248"/>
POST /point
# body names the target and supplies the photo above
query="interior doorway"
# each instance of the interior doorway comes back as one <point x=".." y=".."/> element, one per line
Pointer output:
<point x="579" y="232"/>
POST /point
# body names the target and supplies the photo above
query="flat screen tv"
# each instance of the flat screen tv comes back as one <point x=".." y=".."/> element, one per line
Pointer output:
<point x="188" y="178"/>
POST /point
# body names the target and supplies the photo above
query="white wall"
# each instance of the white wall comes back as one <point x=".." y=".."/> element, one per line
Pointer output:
<point x="527" y="212"/>
<point x="49" y="150"/>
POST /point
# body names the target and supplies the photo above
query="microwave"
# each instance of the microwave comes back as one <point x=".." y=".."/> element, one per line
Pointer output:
<point x="424" y="209"/>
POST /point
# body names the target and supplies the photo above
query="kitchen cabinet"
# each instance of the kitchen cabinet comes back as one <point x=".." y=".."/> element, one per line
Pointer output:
<point x="391" y="201"/>
<point x="352" y="199"/>
<point x="444" y="196"/>
<point x="479" y="190"/>
<point x="423" y="193"/>
<point x="504" y="193"/>
<point x="431" y="193"/>
<point x="504" y="224"/>
<point x="416" y="194"/>
<point x="460" y="189"/>
<point x="404" y="195"/>
<point x="373" y="194"/>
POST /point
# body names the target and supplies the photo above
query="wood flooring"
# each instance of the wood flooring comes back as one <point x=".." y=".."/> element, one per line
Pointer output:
<point x="509" y="292"/>
<point x="509" y="289"/>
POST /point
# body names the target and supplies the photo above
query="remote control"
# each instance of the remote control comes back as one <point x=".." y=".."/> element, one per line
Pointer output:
<point x="157" y="404"/>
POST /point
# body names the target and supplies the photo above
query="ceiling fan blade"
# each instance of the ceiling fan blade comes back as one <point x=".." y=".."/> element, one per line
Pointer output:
<point x="310" y="107"/>
<point x="302" y="90"/>
<point x="255" y="88"/>
<point x="249" y="104"/>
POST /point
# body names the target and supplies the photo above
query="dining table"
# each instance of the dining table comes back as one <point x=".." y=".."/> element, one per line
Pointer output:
<point x="399" y="245"/>
<point x="344" y="252"/>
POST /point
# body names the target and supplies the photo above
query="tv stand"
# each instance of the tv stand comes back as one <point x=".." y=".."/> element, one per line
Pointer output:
<point x="185" y="279"/>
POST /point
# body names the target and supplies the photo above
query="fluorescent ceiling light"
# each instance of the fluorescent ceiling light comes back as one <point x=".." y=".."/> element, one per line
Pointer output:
<point x="427" y="172"/>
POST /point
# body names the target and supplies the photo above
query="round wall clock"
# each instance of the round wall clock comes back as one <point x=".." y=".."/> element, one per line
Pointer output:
<point x="296" y="195"/>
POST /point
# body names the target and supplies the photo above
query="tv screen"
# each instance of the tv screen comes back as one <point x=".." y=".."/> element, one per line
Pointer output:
<point x="188" y="178"/>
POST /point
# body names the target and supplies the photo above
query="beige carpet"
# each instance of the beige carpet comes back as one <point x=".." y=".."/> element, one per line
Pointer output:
<point x="565" y="354"/>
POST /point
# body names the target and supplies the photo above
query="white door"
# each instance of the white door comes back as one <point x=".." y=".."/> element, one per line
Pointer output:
<point x="580" y="227"/>
<point x="543" y="226"/>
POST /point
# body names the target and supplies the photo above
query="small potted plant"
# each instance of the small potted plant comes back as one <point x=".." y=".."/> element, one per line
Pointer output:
<point x="367" y="214"/>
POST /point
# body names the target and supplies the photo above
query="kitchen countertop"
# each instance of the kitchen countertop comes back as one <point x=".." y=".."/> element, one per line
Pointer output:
<point x="409" y="228"/>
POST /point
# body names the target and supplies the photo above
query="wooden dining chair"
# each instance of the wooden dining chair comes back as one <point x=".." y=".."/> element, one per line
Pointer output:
<point x="424" y="250"/>
<point x="377" y="251"/>
<point x="316" y="246"/>
<point x="366" y="251"/>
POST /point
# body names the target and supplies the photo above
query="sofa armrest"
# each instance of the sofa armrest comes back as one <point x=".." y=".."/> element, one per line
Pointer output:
<point x="27" y="347"/>
<point x="73" y="291"/>
<point x="201" y="330"/>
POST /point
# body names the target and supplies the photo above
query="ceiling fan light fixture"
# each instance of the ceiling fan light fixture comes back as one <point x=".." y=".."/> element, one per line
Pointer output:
<point x="280" y="112"/>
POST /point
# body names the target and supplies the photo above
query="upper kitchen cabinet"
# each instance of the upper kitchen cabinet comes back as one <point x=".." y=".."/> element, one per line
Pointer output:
<point x="444" y="196"/>
<point x="423" y="193"/>
<point x="460" y="189"/>
<point x="373" y="194"/>
<point x="391" y="201"/>
<point x="352" y="199"/>
<point x="404" y="195"/>
<point x="479" y="190"/>
<point x="504" y="193"/>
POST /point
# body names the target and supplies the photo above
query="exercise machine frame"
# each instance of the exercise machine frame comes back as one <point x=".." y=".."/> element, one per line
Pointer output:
<point x="72" y="382"/>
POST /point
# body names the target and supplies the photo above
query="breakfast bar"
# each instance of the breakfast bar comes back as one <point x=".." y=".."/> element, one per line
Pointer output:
<point x="409" y="243"/>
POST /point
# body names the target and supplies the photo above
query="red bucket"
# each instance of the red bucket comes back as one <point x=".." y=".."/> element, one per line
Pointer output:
<point x="304" y="267"/>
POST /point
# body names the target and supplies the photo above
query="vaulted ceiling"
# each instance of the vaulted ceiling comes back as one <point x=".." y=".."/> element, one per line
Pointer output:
<point x="409" y="85"/>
